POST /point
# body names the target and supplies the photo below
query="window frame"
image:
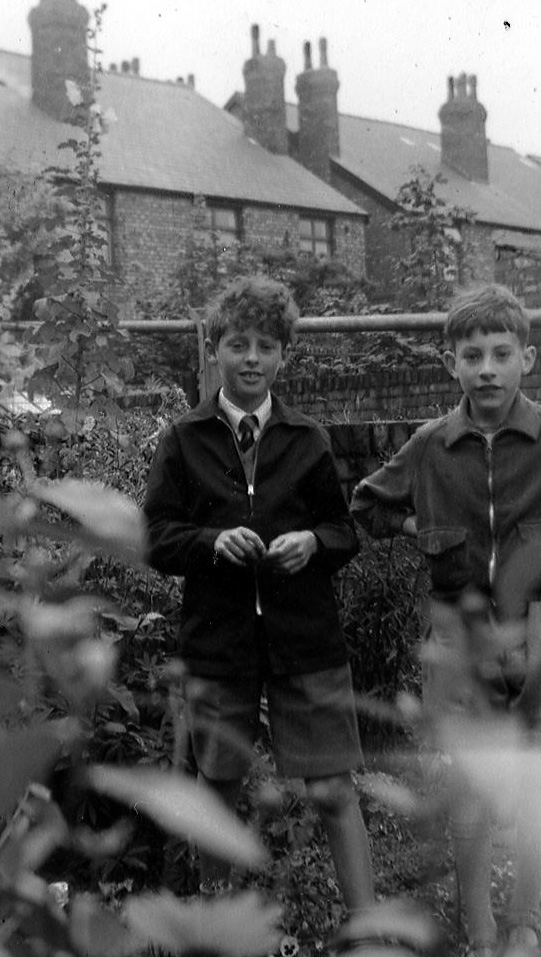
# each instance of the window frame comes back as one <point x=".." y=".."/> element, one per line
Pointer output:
<point x="309" y="240"/>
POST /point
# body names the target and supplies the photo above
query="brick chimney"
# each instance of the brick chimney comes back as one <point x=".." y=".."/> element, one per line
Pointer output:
<point x="463" y="136"/>
<point x="317" y="90"/>
<point x="264" y="109"/>
<point x="59" y="53"/>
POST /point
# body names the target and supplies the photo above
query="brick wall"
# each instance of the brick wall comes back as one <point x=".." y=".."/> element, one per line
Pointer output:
<point x="383" y="247"/>
<point x="149" y="230"/>
<point x="360" y="449"/>
<point x="405" y="392"/>
<point x="394" y="393"/>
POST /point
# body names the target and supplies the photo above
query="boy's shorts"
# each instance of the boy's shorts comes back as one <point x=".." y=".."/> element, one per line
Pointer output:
<point x="452" y="680"/>
<point x="312" y="719"/>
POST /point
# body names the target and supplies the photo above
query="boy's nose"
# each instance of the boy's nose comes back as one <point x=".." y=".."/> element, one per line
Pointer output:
<point x="487" y="367"/>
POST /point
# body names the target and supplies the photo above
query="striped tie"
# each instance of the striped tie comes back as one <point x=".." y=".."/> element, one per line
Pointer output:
<point x="246" y="428"/>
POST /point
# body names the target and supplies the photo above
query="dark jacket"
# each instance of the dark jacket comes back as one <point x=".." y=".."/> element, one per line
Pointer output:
<point x="477" y="501"/>
<point x="197" y="487"/>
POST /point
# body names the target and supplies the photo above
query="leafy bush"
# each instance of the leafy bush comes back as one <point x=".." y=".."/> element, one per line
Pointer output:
<point x="381" y="595"/>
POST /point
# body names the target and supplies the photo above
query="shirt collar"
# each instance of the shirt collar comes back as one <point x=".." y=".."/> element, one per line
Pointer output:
<point x="234" y="414"/>
<point x="523" y="417"/>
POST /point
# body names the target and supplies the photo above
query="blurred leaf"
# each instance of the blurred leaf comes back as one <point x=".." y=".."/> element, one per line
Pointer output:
<point x="241" y="926"/>
<point x="30" y="756"/>
<point x="396" y="796"/>
<point x="183" y="808"/>
<point x="10" y="695"/>
<point x="489" y="755"/>
<point x="102" y="844"/>
<point x="111" y="522"/>
<point x="403" y="925"/>
<point x="97" y="932"/>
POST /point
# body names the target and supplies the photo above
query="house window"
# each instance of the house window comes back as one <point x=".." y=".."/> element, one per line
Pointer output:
<point x="316" y="237"/>
<point x="224" y="224"/>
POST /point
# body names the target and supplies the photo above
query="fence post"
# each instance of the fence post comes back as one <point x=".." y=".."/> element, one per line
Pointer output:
<point x="208" y="376"/>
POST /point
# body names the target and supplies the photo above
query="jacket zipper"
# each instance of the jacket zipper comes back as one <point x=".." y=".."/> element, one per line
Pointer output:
<point x="250" y="488"/>
<point x="488" y="440"/>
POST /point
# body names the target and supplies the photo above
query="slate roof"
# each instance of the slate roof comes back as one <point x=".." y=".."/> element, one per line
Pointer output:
<point x="381" y="155"/>
<point x="166" y="137"/>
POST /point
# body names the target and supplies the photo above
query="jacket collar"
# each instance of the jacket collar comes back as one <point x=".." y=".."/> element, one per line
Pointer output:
<point x="210" y="409"/>
<point x="523" y="417"/>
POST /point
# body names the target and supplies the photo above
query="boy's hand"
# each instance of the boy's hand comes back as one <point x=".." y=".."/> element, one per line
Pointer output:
<point x="409" y="526"/>
<point x="292" y="551"/>
<point x="239" y="545"/>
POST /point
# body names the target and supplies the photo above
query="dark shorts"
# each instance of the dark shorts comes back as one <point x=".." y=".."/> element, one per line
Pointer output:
<point x="312" y="721"/>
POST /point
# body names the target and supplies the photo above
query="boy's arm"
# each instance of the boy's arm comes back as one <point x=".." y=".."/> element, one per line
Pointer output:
<point x="175" y="544"/>
<point x="383" y="503"/>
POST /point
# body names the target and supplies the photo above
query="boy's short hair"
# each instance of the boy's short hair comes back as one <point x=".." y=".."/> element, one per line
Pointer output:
<point x="254" y="301"/>
<point x="489" y="308"/>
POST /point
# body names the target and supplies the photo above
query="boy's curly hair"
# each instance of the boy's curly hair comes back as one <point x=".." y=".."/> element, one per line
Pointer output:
<point x="253" y="301"/>
<point x="489" y="308"/>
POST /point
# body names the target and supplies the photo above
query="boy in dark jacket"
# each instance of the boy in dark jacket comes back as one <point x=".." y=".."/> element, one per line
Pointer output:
<point x="244" y="501"/>
<point x="467" y="487"/>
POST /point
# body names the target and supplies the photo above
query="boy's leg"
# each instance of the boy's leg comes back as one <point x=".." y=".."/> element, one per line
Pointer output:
<point x="223" y="717"/>
<point x="315" y="737"/>
<point x="471" y="836"/>
<point x="527" y="895"/>
<point x="214" y="872"/>
<point x="338" y="807"/>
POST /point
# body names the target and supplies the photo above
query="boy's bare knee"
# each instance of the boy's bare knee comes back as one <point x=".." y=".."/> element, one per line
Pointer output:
<point x="331" y="795"/>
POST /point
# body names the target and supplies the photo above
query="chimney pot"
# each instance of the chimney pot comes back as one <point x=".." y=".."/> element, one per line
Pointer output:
<point x="59" y="53"/>
<point x="136" y="65"/>
<point x="264" y="105"/>
<point x="191" y="81"/>
<point x="125" y="66"/>
<point x="112" y="68"/>
<point x="463" y="135"/>
<point x="461" y="87"/>
<point x="319" y="137"/>
<point x="255" y="40"/>
<point x="450" y="88"/>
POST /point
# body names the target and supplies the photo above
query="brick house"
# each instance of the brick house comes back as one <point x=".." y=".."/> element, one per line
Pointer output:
<point x="167" y="146"/>
<point x="368" y="160"/>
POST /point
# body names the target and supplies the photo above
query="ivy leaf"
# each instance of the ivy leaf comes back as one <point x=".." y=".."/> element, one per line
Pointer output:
<point x="124" y="697"/>
<point x="183" y="808"/>
<point x="242" y="926"/>
<point x="111" y="522"/>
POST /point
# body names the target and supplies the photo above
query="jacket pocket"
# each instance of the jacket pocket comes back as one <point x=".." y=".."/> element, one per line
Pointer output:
<point x="529" y="531"/>
<point x="447" y="553"/>
<point x="437" y="541"/>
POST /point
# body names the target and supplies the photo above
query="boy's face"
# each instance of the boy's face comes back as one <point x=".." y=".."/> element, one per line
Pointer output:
<point x="489" y="367"/>
<point x="249" y="362"/>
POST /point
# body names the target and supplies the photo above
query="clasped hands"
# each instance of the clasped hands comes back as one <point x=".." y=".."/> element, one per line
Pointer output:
<point x="288" y="553"/>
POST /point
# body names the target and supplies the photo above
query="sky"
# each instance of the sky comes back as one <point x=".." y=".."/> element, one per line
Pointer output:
<point x="392" y="57"/>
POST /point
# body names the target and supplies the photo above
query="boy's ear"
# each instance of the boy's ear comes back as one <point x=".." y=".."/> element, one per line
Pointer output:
<point x="210" y="352"/>
<point x="449" y="361"/>
<point x="528" y="361"/>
